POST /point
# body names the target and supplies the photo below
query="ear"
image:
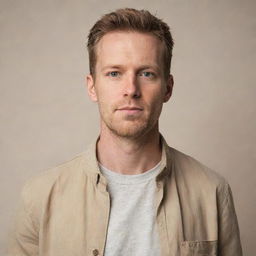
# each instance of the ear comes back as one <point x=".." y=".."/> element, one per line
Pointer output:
<point x="169" y="87"/>
<point x="91" y="88"/>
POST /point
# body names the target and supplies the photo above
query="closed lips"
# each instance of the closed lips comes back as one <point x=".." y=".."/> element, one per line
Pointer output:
<point x="130" y="108"/>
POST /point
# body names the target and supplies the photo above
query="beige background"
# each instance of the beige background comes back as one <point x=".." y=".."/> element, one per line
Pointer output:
<point x="47" y="118"/>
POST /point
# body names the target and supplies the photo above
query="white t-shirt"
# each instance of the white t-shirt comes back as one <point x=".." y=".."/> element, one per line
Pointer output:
<point x="132" y="229"/>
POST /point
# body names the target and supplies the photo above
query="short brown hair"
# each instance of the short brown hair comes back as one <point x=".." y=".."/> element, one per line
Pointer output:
<point x="134" y="20"/>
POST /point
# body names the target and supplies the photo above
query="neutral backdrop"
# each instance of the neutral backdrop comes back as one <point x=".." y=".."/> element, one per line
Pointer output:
<point x="47" y="118"/>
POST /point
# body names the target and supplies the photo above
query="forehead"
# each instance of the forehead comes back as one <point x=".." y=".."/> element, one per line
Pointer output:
<point x="129" y="47"/>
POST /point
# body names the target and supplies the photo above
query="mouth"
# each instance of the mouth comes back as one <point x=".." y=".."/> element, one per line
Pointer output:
<point x="130" y="109"/>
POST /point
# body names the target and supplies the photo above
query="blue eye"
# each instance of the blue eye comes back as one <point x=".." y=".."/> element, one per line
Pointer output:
<point x="147" y="74"/>
<point x="113" y="73"/>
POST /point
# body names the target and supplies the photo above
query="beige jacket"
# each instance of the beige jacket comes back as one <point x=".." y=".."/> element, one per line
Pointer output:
<point x="65" y="211"/>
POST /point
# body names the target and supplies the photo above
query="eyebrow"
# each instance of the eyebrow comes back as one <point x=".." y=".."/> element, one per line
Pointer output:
<point x="143" y="67"/>
<point x="111" y="67"/>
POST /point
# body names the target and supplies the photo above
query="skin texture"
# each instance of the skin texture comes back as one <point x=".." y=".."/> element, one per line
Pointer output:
<point x="130" y="88"/>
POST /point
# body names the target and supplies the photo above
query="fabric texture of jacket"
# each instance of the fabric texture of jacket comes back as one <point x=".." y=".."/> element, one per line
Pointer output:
<point x="64" y="211"/>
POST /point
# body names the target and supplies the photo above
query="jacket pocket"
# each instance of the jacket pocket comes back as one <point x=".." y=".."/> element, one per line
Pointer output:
<point x="198" y="248"/>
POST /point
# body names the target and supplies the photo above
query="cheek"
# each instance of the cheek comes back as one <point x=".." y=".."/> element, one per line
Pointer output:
<point x="157" y="103"/>
<point x="155" y="97"/>
<point x="106" y="90"/>
<point x="106" y="100"/>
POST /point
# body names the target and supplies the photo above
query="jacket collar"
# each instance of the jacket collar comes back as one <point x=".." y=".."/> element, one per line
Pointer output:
<point x="90" y="162"/>
<point x="166" y="161"/>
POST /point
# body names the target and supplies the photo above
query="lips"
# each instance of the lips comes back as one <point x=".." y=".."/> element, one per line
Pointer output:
<point x="130" y="108"/>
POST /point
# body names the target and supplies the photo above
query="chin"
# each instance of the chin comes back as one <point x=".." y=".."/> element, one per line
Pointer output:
<point x="131" y="131"/>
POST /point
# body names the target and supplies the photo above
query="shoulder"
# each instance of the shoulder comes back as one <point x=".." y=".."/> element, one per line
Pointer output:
<point x="39" y="187"/>
<point x="198" y="184"/>
<point x="192" y="173"/>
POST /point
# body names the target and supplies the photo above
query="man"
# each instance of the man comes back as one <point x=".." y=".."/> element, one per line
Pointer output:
<point x="130" y="193"/>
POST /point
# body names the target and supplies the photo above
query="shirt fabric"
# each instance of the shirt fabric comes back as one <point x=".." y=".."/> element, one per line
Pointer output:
<point x="132" y="227"/>
<point x="65" y="210"/>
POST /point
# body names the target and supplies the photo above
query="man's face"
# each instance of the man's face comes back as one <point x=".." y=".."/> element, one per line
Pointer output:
<point x="129" y="83"/>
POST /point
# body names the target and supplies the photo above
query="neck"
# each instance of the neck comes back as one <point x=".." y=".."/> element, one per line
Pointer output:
<point x="129" y="156"/>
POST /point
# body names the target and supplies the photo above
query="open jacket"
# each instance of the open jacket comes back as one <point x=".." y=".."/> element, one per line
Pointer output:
<point x="65" y="211"/>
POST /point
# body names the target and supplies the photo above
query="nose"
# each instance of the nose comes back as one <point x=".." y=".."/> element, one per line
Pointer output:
<point x="131" y="87"/>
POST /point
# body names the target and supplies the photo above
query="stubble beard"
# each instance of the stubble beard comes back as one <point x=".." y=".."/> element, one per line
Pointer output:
<point x="132" y="130"/>
<point x="130" y="127"/>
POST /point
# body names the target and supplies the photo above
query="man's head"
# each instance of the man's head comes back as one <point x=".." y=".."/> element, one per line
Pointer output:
<point x="130" y="20"/>
<point x="128" y="74"/>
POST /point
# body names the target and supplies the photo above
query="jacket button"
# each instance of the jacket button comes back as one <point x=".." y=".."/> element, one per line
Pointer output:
<point x="95" y="252"/>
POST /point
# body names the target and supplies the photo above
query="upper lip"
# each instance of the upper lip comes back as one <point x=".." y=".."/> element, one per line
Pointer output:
<point x="130" y="108"/>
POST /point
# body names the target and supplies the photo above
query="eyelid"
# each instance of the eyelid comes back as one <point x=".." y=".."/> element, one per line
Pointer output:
<point x="112" y="71"/>
<point x="152" y="73"/>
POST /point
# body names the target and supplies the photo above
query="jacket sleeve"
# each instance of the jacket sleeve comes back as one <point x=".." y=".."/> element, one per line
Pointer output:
<point x="24" y="237"/>
<point x="229" y="243"/>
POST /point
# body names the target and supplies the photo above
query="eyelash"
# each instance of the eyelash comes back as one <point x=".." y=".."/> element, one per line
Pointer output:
<point x="152" y="75"/>
<point x="109" y="73"/>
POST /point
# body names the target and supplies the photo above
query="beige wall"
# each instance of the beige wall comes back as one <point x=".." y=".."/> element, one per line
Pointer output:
<point x="47" y="118"/>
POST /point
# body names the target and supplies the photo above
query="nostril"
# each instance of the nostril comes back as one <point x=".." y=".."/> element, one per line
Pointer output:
<point x="136" y="95"/>
<point x="132" y="91"/>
